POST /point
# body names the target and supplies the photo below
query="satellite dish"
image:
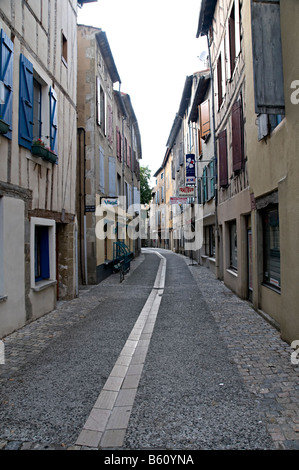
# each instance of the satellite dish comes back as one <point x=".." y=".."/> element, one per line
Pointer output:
<point x="203" y="56"/>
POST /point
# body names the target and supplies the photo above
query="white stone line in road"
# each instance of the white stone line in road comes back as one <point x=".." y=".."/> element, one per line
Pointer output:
<point x="107" y="423"/>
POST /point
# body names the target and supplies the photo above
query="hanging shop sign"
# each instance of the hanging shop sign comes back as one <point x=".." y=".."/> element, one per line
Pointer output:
<point x="190" y="168"/>
<point x="187" y="191"/>
<point x="178" y="200"/>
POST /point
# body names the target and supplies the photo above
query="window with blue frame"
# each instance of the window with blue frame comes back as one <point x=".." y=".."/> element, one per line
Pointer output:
<point x="37" y="108"/>
<point x="6" y="76"/>
<point x="41" y="255"/>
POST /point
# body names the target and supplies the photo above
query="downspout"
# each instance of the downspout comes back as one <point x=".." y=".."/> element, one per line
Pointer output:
<point x="85" y="277"/>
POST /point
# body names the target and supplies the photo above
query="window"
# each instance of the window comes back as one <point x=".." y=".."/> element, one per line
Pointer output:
<point x="37" y="108"/>
<point x="233" y="245"/>
<point x="63" y="48"/>
<point x="210" y="241"/>
<point x="37" y="103"/>
<point x="6" y="76"/>
<point x="219" y="81"/>
<point x="233" y="40"/>
<point x="232" y="44"/>
<point x="42" y="253"/>
<point x="101" y="106"/>
<point x="271" y="246"/>
<point x="118" y="143"/>
<point x="267" y="123"/>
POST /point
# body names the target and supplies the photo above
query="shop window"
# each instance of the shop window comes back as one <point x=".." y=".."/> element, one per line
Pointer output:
<point x="233" y="245"/>
<point x="271" y="246"/>
<point x="210" y="241"/>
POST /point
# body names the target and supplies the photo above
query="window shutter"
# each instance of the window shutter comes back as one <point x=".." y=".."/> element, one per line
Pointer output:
<point x="199" y="143"/>
<point x="237" y="136"/>
<point x="26" y="103"/>
<point x="237" y="28"/>
<point x="117" y="143"/>
<point x="53" y="121"/>
<point x="219" y="81"/>
<point x="205" y="118"/>
<point x="263" y="126"/>
<point x="267" y="57"/>
<point x="222" y="142"/>
<point x="6" y="75"/>
<point x="232" y="39"/>
<point x="227" y="52"/>
<point x="98" y="101"/>
<point x="199" y="191"/>
<point x="101" y="170"/>
<point x="212" y="186"/>
<point x="112" y="176"/>
<point x="205" y="185"/>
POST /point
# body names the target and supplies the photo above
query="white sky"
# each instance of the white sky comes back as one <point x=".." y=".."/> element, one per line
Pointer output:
<point x="155" y="48"/>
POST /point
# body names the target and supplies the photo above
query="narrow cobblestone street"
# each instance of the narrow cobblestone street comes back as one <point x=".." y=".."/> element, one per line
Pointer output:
<point x="213" y="373"/>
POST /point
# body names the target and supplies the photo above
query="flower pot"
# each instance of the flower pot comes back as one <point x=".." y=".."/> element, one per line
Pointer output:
<point x="4" y="127"/>
<point x="39" y="151"/>
<point x="50" y="157"/>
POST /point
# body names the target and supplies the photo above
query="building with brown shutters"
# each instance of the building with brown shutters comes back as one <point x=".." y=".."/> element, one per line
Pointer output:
<point x="200" y="119"/>
<point x="254" y="52"/>
<point x="220" y="22"/>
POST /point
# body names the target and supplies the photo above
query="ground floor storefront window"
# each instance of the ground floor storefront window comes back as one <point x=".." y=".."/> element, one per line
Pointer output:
<point x="271" y="246"/>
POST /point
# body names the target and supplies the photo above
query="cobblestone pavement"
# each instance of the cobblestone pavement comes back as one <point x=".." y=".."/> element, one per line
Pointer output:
<point x="262" y="358"/>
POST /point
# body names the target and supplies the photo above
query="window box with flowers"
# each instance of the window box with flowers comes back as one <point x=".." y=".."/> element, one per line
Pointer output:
<point x="4" y="127"/>
<point x="51" y="156"/>
<point x="38" y="148"/>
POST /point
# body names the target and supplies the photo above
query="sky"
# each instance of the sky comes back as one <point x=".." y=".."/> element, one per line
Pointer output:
<point x="155" y="48"/>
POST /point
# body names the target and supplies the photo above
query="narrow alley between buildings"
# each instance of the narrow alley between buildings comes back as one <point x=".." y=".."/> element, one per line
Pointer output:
<point x="168" y="359"/>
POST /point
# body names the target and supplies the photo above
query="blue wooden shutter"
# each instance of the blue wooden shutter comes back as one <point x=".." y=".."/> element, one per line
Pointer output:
<point x="26" y="103"/>
<point x="6" y="75"/>
<point x="53" y="121"/>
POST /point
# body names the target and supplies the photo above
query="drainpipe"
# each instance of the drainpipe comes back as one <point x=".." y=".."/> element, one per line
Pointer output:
<point x="85" y="277"/>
